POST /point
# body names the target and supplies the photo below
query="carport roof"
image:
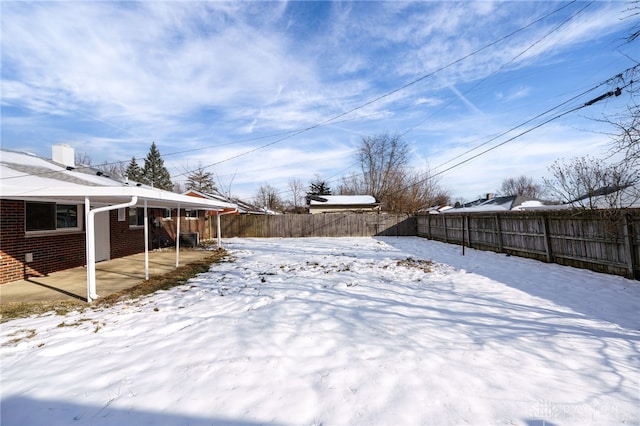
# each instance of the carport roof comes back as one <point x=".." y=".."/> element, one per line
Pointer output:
<point x="27" y="177"/>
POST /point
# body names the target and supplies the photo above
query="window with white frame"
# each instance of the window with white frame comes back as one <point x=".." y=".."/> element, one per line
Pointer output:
<point x="191" y="214"/>
<point x="136" y="216"/>
<point x="42" y="216"/>
<point x="166" y="215"/>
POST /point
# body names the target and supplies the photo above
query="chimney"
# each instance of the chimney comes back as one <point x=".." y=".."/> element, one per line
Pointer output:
<point x="63" y="154"/>
<point x="489" y="195"/>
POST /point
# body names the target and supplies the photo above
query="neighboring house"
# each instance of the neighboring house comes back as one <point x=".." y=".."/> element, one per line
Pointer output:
<point x="497" y="204"/>
<point x="608" y="198"/>
<point x="55" y="215"/>
<point x="436" y="209"/>
<point x="203" y="223"/>
<point x="342" y="203"/>
<point x="242" y="207"/>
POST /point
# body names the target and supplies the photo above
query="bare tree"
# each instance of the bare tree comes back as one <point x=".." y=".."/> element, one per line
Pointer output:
<point x="633" y="11"/>
<point x="384" y="161"/>
<point x="82" y="159"/>
<point x="226" y="188"/>
<point x="521" y="185"/>
<point x="268" y="197"/>
<point x="115" y="170"/>
<point x="590" y="183"/>
<point x="298" y="193"/>
<point x="353" y="184"/>
<point x="625" y="138"/>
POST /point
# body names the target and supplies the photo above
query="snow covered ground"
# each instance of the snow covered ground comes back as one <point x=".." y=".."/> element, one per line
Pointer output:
<point x="357" y="331"/>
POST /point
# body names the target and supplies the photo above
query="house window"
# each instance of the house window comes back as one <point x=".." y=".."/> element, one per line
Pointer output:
<point x="52" y="217"/>
<point x="191" y="214"/>
<point x="136" y="216"/>
<point x="166" y="215"/>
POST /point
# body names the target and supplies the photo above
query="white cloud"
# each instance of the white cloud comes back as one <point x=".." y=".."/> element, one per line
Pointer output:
<point x="113" y="77"/>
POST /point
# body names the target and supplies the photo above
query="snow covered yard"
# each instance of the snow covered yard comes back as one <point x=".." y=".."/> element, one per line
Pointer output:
<point x="340" y="331"/>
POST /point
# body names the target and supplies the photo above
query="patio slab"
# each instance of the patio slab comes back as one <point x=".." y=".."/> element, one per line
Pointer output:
<point x="111" y="276"/>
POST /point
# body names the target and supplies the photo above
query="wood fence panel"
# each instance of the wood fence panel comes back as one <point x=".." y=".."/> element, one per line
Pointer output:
<point x="591" y="240"/>
<point x="483" y="233"/>
<point x="524" y="235"/>
<point x="633" y="235"/>
<point x="585" y="240"/>
<point x="317" y="225"/>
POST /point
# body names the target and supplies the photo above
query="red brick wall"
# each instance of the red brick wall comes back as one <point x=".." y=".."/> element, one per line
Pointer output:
<point x="50" y="252"/>
<point x="56" y="252"/>
<point x="125" y="241"/>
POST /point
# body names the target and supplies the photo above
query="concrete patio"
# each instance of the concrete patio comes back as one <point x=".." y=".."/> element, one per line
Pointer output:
<point x="111" y="276"/>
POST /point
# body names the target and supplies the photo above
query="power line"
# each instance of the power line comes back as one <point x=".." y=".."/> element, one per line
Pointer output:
<point x="394" y="91"/>
<point x="593" y="101"/>
<point x="531" y="46"/>
<point x="361" y="106"/>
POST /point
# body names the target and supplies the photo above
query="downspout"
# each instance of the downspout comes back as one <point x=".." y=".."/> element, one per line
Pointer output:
<point x="91" y="242"/>
<point x="146" y="242"/>
<point x="87" y="209"/>
<point x="218" y="214"/>
<point x="178" y="237"/>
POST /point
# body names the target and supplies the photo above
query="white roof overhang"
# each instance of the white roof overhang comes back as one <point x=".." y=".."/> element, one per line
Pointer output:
<point x="109" y="195"/>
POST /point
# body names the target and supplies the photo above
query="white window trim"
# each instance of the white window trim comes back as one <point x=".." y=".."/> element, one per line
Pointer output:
<point x="129" y="215"/>
<point x="59" y="231"/>
<point x="191" y="218"/>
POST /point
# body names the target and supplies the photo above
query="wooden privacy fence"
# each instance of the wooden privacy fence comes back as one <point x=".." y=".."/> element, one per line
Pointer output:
<point x="591" y="239"/>
<point x="317" y="225"/>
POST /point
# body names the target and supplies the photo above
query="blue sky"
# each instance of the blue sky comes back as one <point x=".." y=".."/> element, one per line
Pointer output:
<point x="233" y="86"/>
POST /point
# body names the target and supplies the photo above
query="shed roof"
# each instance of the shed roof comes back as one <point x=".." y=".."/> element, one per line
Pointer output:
<point x="343" y="200"/>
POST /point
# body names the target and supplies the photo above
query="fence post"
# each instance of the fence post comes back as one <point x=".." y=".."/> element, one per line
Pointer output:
<point x="628" y="242"/>
<point x="463" y="221"/>
<point x="444" y="223"/>
<point x="547" y="240"/>
<point x="466" y="219"/>
<point x="499" y="233"/>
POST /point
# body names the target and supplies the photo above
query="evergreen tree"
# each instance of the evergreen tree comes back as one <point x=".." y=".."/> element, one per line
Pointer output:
<point x="201" y="180"/>
<point x="317" y="187"/>
<point x="154" y="172"/>
<point x="133" y="171"/>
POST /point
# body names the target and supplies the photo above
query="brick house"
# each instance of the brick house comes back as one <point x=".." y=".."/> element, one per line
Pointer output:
<point x="55" y="215"/>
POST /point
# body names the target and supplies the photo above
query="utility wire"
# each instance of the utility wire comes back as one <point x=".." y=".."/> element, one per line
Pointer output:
<point x="503" y="66"/>
<point x="542" y="114"/>
<point x="616" y="92"/>
<point x="392" y="92"/>
<point x="606" y="95"/>
<point x="377" y="99"/>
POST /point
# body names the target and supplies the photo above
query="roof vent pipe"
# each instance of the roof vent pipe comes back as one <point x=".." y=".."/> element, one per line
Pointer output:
<point x="63" y="154"/>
